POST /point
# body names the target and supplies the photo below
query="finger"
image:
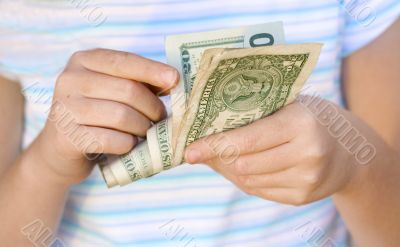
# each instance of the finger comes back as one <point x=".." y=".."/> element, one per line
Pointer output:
<point x="290" y="196"/>
<point x="109" y="114"/>
<point x="95" y="140"/>
<point x="270" y="161"/>
<point x="159" y="91"/>
<point x="276" y="180"/>
<point x="213" y="164"/>
<point x="127" y="65"/>
<point x="280" y="195"/>
<point x="134" y="94"/>
<point x="282" y="179"/>
<point x="261" y="135"/>
<point x="239" y="181"/>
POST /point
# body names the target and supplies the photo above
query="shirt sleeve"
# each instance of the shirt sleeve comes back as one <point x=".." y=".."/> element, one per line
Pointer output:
<point x="365" y="20"/>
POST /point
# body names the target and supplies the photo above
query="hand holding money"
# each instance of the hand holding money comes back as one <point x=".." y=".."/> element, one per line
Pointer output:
<point x="231" y="88"/>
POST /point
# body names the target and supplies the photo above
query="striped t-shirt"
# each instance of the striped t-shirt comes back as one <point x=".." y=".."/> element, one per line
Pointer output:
<point x="189" y="205"/>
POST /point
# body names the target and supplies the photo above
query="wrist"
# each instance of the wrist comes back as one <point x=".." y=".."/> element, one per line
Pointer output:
<point x="357" y="180"/>
<point x="380" y="168"/>
<point x="36" y="166"/>
<point x="359" y="146"/>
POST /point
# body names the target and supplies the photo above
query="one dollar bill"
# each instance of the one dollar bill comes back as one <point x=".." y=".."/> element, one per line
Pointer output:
<point x="239" y="86"/>
<point x="185" y="51"/>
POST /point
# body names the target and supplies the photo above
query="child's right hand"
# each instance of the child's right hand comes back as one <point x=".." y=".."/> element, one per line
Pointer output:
<point x="103" y="101"/>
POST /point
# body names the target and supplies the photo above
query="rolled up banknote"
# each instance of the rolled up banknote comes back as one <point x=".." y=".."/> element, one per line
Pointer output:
<point x="148" y="158"/>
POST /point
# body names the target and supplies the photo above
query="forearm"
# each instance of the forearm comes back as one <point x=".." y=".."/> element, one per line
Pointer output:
<point x="29" y="195"/>
<point x="370" y="205"/>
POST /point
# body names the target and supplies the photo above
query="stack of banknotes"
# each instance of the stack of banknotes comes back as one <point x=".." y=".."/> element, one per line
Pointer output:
<point x="229" y="78"/>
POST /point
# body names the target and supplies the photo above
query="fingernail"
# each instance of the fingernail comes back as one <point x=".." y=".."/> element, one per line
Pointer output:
<point x="192" y="156"/>
<point x="171" y="77"/>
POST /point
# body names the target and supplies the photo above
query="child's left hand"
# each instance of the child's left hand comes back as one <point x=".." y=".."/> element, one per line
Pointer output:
<point x="289" y="157"/>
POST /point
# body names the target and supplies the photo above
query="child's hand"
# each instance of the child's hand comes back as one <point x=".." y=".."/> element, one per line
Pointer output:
<point x="289" y="157"/>
<point x="103" y="101"/>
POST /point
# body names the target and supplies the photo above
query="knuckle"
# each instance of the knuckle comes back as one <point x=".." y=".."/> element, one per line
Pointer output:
<point x="249" y="142"/>
<point x="311" y="179"/>
<point x="120" y="115"/>
<point x="131" y="90"/>
<point x="116" y="60"/>
<point x="316" y="153"/>
<point x="77" y="56"/>
<point x="64" y="79"/>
